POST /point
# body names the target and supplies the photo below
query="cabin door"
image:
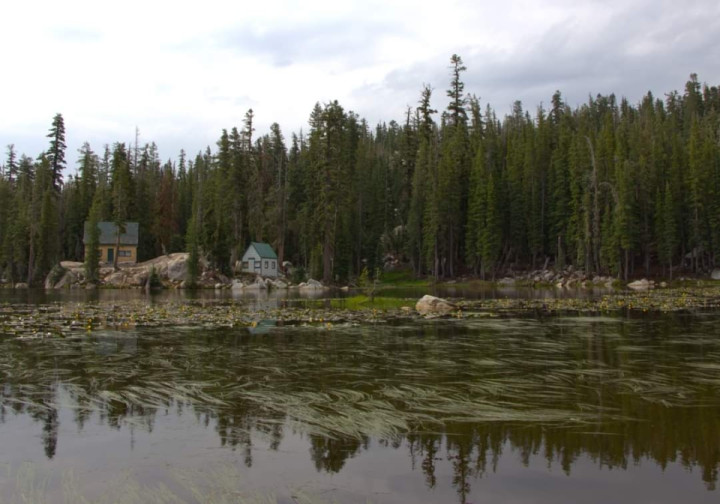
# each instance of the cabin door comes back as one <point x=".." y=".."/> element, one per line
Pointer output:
<point x="111" y="255"/>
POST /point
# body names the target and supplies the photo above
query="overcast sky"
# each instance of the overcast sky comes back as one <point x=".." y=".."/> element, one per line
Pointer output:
<point x="181" y="71"/>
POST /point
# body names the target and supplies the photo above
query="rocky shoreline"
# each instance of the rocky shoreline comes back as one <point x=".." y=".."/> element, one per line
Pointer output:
<point x="570" y="278"/>
<point x="167" y="272"/>
<point x="171" y="271"/>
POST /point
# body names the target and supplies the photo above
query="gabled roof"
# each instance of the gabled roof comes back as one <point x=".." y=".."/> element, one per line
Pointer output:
<point x="264" y="250"/>
<point x="108" y="233"/>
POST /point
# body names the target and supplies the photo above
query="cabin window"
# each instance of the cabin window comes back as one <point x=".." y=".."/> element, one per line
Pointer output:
<point x="272" y="265"/>
<point x="258" y="264"/>
<point x="266" y="265"/>
<point x="124" y="253"/>
<point x="245" y="265"/>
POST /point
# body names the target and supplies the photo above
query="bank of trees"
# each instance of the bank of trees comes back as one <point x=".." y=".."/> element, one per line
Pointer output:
<point x="609" y="187"/>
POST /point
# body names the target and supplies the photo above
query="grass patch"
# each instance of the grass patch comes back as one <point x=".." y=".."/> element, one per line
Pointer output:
<point x="401" y="278"/>
<point x="361" y="302"/>
<point x="470" y="284"/>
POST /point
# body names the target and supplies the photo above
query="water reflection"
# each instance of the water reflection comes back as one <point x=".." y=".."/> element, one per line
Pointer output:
<point x="453" y="395"/>
<point x="273" y="298"/>
<point x="262" y="327"/>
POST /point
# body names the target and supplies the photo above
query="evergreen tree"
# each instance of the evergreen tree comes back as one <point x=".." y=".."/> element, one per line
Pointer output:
<point x="92" y="247"/>
<point x="422" y="184"/>
<point x="56" y="152"/>
<point x="666" y="228"/>
<point x="492" y="232"/>
<point x="609" y="186"/>
<point x="456" y="107"/>
<point x="11" y="166"/>
<point x="121" y="190"/>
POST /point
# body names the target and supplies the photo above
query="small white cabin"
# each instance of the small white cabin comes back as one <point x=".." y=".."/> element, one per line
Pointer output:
<point x="260" y="258"/>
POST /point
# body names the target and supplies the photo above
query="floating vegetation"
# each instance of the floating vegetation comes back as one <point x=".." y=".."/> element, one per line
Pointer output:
<point x="68" y="319"/>
<point x="660" y="301"/>
<point x="359" y="381"/>
<point x="63" y="320"/>
<point x="371" y="304"/>
<point x="343" y="378"/>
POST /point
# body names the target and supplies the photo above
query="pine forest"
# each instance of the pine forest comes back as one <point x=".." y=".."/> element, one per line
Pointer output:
<point x="609" y="187"/>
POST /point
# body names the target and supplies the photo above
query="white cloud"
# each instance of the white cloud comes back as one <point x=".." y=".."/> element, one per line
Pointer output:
<point x="182" y="71"/>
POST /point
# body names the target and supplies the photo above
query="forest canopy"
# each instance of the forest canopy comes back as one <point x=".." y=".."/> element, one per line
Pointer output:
<point x="609" y="187"/>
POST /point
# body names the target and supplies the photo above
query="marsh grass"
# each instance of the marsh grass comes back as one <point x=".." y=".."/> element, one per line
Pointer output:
<point x="401" y="279"/>
<point x="361" y="302"/>
<point x="74" y="320"/>
<point x="364" y="382"/>
<point x="353" y="380"/>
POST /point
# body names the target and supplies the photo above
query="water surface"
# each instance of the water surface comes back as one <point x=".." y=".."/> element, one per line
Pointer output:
<point x="591" y="409"/>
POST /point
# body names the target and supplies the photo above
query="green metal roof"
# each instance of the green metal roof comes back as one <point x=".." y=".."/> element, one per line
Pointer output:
<point x="108" y="233"/>
<point x="264" y="250"/>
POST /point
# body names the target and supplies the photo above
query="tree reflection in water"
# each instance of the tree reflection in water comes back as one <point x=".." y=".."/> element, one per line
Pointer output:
<point x="617" y="391"/>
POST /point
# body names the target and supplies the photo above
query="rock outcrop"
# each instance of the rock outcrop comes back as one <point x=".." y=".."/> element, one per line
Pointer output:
<point x="169" y="271"/>
<point x="177" y="267"/>
<point x="643" y="284"/>
<point x="69" y="279"/>
<point x="431" y="305"/>
<point x="566" y="278"/>
<point x="311" y="285"/>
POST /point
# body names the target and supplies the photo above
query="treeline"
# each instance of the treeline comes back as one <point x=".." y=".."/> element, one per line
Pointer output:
<point x="608" y="187"/>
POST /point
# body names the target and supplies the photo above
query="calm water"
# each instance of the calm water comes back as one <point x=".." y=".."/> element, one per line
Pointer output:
<point x="518" y="410"/>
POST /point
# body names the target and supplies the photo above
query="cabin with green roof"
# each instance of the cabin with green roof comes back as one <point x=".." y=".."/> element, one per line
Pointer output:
<point x="261" y="259"/>
<point x="126" y="249"/>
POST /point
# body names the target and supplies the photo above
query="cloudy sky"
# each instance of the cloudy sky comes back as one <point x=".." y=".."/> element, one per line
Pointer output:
<point x="181" y="71"/>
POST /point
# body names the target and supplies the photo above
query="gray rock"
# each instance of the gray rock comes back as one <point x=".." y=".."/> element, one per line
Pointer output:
<point x="311" y="285"/>
<point x="106" y="271"/>
<point x="431" y="305"/>
<point x="715" y="275"/>
<point x="177" y="267"/>
<point x="116" y="279"/>
<point x="258" y="284"/>
<point x="21" y="285"/>
<point x="55" y="275"/>
<point x="643" y="284"/>
<point x="68" y="279"/>
<point x="138" y="279"/>
<point x="278" y="284"/>
<point x="72" y="265"/>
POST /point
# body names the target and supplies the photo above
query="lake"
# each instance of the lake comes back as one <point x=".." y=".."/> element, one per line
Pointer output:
<point x="552" y="409"/>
